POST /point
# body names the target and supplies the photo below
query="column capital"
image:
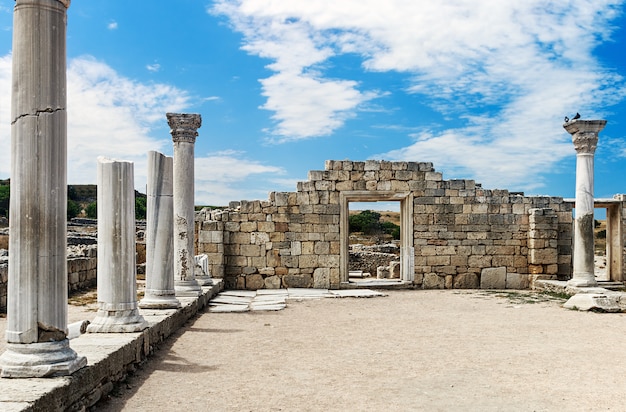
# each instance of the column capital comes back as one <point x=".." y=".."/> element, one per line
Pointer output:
<point x="585" y="134"/>
<point x="184" y="126"/>
<point x="66" y="3"/>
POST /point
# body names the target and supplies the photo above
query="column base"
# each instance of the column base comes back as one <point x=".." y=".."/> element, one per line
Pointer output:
<point x="187" y="288"/>
<point x="40" y="360"/>
<point x="120" y="321"/>
<point x="159" y="299"/>
<point x="583" y="282"/>
<point x="205" y="280"/>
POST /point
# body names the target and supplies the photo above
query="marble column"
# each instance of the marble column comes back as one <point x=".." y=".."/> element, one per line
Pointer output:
<point x="36" y="332"/>
<point x="585" y="138"/>
<point x="117" y="271"/>
<point x="160" y="293"/>
<point x="184" y="129"/>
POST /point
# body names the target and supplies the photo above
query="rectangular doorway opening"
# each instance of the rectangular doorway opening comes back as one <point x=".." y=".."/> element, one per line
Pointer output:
<point x="376" y="238"/>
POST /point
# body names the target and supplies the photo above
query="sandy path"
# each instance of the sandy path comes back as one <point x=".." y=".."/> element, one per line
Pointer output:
<point x="412" y="350"/>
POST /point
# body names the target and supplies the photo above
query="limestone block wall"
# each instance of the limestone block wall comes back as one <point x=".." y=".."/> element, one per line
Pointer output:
<point x="82" y="262"/>
<point x="453" y="231"/>
<point x="82" y="268"/>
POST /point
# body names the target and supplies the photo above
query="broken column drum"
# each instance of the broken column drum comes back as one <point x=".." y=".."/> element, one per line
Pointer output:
<point x="585" y="138"/>
<point x="117" y="273"/>
<point x="37" y="281"/>
<point x="160" y="293"/>
<point x="184" y="129"/>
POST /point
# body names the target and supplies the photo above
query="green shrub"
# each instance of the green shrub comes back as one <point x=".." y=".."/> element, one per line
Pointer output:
<point x="92" y="210"/>
<point x="73" y="209"/>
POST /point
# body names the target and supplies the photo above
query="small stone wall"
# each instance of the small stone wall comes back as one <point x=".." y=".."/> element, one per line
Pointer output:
<point x="457" y="230"/>
<point x="370" y="261"/>
<point x="82" y="265"/>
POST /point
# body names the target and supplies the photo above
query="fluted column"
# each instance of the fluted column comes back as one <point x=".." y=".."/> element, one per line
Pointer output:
<point x="160" y="292"/>
<point x="585" y="138"/>
<point x="184" y="129"/>
<point x="37" y="287"/>
<point x="117" y="271"/>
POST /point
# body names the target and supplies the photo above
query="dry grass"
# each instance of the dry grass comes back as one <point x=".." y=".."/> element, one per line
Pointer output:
<point x="4" y="242"/>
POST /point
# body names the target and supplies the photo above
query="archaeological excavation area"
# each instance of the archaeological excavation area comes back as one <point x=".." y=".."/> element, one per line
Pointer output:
<point x="453" y="234"/>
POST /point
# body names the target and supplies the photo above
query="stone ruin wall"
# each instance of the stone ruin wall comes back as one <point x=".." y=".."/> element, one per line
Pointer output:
<point x="82" y="263"/>
<point x="463" y="236"/>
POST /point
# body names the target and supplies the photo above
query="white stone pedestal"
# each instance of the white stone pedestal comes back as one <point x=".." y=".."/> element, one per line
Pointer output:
<point x="117" y="273"/>
<point x="202" y="270"/>
<point x="160" y="293"/>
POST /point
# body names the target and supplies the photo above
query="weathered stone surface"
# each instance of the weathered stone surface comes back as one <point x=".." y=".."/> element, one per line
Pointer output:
<point x="254" y="282"/>
<point x="433" y="281"/>
<point x="466" y="281"/>
<point x="493" y="278"/>
<point x="593" y="301"/>
<point x="297" y="281"/>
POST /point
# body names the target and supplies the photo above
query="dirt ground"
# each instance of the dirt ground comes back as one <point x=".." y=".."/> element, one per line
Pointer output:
<point x="409" y="351"/>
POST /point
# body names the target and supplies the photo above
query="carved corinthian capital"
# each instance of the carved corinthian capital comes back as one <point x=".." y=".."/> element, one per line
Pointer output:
<point x="585" y="134"/>
<point x="585" y="142"/>
<point x="184" y="126"/>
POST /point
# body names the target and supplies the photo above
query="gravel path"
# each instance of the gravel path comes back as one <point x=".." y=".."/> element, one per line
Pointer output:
<point x="411" y="350"/>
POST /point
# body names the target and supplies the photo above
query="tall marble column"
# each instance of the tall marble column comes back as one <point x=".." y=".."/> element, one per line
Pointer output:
<point x="184" y="129"/>
<point x="37" y="287"/>
<point x="160" y="293"/>
<point x="117" y="271"/>
<point x="585" y="137"/>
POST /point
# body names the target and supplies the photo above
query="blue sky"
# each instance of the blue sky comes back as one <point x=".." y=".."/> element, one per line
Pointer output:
<point x="479" y="88"/>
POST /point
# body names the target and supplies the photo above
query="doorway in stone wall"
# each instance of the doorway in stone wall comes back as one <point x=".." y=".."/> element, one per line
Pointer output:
<point x="378" y="259"/>
<point x="608" y="241"/>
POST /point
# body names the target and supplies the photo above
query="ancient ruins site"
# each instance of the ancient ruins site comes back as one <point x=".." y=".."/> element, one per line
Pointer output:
<point x="293" y="248"/>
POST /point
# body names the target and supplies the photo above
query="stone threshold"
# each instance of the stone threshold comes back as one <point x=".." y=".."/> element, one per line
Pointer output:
<point x="110" y="356"/>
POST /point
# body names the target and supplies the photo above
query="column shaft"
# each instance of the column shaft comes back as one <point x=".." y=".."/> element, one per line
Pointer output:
<point x="117" y="273"/>
<point x="160" y="293"/>
<point x="184" y="131"/>
<point x="37" y="286"/>
<point x="585" y="138"/>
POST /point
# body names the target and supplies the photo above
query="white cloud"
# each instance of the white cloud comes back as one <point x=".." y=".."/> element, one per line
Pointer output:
<point x="113" y="116"/>
<point x="509" y="71"/>
<point x="153" y="67"/>
<point x="112" y="25"/>
<point x="219" y="176"/>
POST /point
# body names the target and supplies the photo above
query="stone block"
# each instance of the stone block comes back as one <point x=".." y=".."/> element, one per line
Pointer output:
<point x="272" y="282"/>
<point x="254" y="282"/>
<point x="542" y="256"/>
<point x="297" y="281"/>
<point x="433" y="281"/>
<point x="465" y="281"/>
<point x="321" y="278"/>
<point x="517" y="281"/>
<point x="308" y="261"/>
<point x="493" y="278"/>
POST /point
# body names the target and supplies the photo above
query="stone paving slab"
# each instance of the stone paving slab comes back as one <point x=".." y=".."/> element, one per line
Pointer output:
<point x="276" y="299"/>
<point x="222" y="308"/>
<point x="273" y="292"/>
<point x="356" y="293"/>
<point x="261" y="306"/>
